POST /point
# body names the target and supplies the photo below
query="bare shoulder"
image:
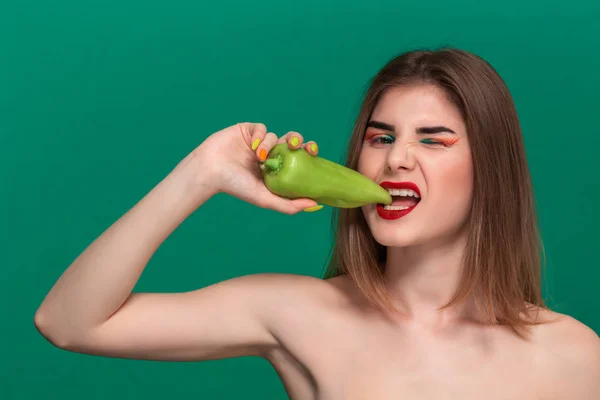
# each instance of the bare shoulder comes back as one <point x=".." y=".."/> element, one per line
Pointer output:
<point x="334" y="292"/>
<point x="300" y="288"/>
<point x="568" y="336"/>
<point x="283" y="296"/>
<point x="569" y="354"/>
<point x="303" y="313"/>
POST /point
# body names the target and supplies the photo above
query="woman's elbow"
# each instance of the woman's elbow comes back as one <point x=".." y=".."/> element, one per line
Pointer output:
<point x="50" y="330"/>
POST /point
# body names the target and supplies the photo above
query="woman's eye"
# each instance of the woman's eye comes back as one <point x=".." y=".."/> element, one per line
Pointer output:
<point x="446" y="142"/>
<point x="383" y="139"/>
<point x="432" y="141"/>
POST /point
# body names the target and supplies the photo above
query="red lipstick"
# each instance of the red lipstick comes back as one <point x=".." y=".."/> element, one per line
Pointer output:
<point x="395" y="214"/>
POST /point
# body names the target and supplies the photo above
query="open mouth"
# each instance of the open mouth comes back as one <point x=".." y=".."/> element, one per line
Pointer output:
<point x="402" y="199"/>
<point x="405" y="197"/>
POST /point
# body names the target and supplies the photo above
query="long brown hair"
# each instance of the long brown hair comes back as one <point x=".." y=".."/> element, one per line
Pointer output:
<point x="503" y="258"/>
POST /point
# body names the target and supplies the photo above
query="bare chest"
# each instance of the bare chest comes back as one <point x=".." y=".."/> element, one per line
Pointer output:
<point x="365" y="362"/>
<point x="424" y="373"/>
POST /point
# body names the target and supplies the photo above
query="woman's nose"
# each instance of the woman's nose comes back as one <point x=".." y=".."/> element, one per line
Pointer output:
<point x="401" y="156"/>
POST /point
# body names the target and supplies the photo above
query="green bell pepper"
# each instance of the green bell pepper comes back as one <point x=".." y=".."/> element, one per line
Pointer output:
<point x="294" y="173"/>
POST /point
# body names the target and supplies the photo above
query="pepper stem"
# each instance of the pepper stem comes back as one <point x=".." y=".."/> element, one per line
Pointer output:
<point x="273" y="164"/>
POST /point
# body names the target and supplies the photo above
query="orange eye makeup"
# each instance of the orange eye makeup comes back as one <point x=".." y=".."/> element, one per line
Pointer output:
<point x="379" y="138"/>
<point x="447" y="142"/>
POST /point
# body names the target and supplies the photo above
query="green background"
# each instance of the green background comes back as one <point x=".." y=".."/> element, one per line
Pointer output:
<point x="100" y="99"/>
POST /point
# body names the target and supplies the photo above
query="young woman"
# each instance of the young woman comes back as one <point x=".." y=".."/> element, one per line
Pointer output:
<point x="437" y="296"/>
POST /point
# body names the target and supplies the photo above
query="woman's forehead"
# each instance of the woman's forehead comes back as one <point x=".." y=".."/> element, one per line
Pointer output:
<point x="423" y="105"/>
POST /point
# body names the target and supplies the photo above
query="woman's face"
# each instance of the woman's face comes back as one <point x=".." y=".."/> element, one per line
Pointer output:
<point x="416" y="142"/>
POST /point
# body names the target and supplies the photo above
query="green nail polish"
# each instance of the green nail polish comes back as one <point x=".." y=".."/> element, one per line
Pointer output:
<point x="313" y="208"/>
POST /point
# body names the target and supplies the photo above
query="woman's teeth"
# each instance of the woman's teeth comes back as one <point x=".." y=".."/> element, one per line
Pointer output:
<point x="394" y="208"/>
<point x="403" y="193"/>
<point x="402" y="199"/>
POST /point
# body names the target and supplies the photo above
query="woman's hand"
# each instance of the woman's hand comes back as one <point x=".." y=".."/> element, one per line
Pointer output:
<point x="230" y="158"/>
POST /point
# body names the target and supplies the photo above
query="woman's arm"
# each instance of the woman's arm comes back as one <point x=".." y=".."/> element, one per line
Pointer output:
<point x="91" y="308"/>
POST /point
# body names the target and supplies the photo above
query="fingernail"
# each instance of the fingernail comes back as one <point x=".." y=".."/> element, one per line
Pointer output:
<point x="255" y="144"/>
<point x="295" y="141"/>
<point x="262" y="154"/>
<point x="314" y="147"/>
<point x="313" y="208"/>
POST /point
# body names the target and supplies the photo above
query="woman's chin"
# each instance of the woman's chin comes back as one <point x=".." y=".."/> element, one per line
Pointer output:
<point x="396" y="238"/>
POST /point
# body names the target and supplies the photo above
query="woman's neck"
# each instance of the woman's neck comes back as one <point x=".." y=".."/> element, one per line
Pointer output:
<point x="423" y="278"/>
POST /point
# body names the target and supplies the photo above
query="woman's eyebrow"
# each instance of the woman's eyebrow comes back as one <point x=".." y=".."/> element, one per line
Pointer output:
<point x="423" y="130"/>
<point x="381" y="125"/>
<point x="434" y="129"/>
